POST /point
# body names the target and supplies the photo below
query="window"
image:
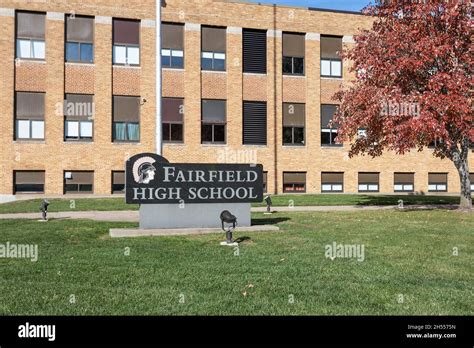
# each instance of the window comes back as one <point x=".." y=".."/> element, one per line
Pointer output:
<point x="331" y="64"/>
<point x="118" y="182"/>
<point x="126" y="50"/>
<point x="79" y="39"/>
<point x="30" y="35"/>
<point x="435" y="143"/>
<point x="126" y="119"/>
<point x="293" y="54"/>
<point x="328" y="128"/>
<point x="28" y="181"/>
<point x="29" y="116"/>
<point x="404" y="182"/>
<point x="255" y="123"/>
<point x="437" y="182"/>
<point x="173" y="114"/>
<point x="471" y="178"/>
<point x="78" y="182"/>
<point x="213" y="129"/>
<point x="172" y="52"/>
<point x="294" y="182"/>
<point x="293" y="124"/>
<point x="255" y="51"/>
<point x="78" y="113"/>
<point x="213" y="49"/>
<point x="332" y="182"/>
<point x="368" y="182"/>
<point x="265" y="186"/>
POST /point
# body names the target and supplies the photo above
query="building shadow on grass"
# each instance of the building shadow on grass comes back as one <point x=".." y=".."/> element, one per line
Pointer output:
<point x="269" y="221"/>
<point x="416" y="198"/>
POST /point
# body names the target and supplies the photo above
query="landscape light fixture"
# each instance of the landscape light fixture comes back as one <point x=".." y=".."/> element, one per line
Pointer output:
<point x="228" y="226"/>
<point x="44" y="209"/>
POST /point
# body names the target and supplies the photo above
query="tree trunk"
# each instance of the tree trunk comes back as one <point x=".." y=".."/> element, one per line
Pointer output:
<point x="460" y="159"/>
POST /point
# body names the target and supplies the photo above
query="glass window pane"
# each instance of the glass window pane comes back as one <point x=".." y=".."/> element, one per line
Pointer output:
<point x="337" y="187"/>
<point x="325" y="138"/>
<point x="120" y="54"/>
<point x="299" y="135"/>
<point x="133" y="131"/>
<point x="177" y="132"/>
<point x="298" y="66"/>
<point x="165" y="53"/>
<point x="23" y="48"/>
<point x="23" y="129"/>
<point x="325" y="68"/>
<point x="177" y="60"/>
<point x="86" y="129"/>
<point x="408" y="187"/>
<point x="166" y="132"/>
<point x="72" y="129"/>
<point x="432" y="187"/>
<point x="206" y="61"/>
<point x="39" y="49"/>
<point x="120" y="131"/>
<point x="133" y="55"/>
<point x="287" y="65"/>
<point x="287" y="135"/>
<point x="206" y="133"/>
<point x="165" y="58"/>
<point x="336" y="68"/>
<point x="87" y="53"/>
<point x="373" y="187"/>
<point x="37" y="129"/>
<point x="326" y="187"/>
<point x="219" y="133"/>
<point x="362" y="187"/>
<point x="85" y="187"/>
<point x="398" y="187"/>
<point x="72" y="52"/>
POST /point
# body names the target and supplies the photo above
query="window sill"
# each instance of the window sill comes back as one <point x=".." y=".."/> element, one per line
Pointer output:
<point x="173" y="144"/>
<point x="332" y="146"/>
<point x="214" y="71"/>
<point x="18" y="61"/>
<point x="254" y="74"/>
<point x="293" y="146"/>
<point x="78" y="142"/>
<point x="214" y="145"/>
<point x="255" y="145"/>
<point x="138" y="67"/>
<point x="294" y="76"/>
<point x="332" y="78"/>
<point x="29" y="141"/>
<point x="126" y="143"/>
<point x="79" y="64"/>
<point x="172" y="69"/>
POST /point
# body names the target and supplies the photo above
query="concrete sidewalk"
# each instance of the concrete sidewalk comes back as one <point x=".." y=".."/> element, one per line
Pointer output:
<point x="133" y="215"/>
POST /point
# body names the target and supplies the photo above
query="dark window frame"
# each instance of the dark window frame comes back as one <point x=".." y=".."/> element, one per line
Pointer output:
<point x="293" y="185"/>
<point x="330" y="60"/>
<point x="116" y="192"/>
<point x="438" y="190"/>
<point x="293" y="73"/>
<point x="369" y="183"/>
<point x="395" y="183"/>
<point x="332" y="184"/>
<point x="213" y="61"/>
<point x="79" y="50"/>
<point x="15" y="185"/>
<point x="169" y="125"/>
<point x="214" y="124"/>
<point x="78" y="191"/>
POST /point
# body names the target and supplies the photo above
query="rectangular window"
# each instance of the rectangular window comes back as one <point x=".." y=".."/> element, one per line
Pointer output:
<point x="213" y="129"/>
<point x="471" y="177"/>
<point x="78" y="114"/>
<point x="126" y="48"/>
<point x="173" y="120"/>
<point x="404" y="182"/>
<point x="79" y="39"/>
<point x="293" y="54"/>
<point x="332" y="182"/>
<point x="265" y="186"/>
<point x="29" y="116"/>
<point x="328" y="128"/>
<point x="172" y="52"/>
<point x="126" y="119"/>
<point x="255" y="123"/>
<point x="293" y="124"/>
<point x="78" y="182"/>
<point x="437" y="182"/>
<point x="28" y="181"/>
<point x="294" y="182"/>
<point x="369" y="182"/>
<point x="118" y="182"/>
<point x="255" y="51"/>
<point x="331" y="64"/>
<point x="213" y="48"/>
<point x="30" y="35"/>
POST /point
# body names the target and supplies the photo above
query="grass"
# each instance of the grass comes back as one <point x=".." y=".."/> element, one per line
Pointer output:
<point x="406" y="252"/>
<point x="109" y="204"/>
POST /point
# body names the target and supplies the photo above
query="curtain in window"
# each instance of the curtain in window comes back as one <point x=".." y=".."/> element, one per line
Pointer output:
<point x="133" y="131"/>
<point x="120" y="131"/>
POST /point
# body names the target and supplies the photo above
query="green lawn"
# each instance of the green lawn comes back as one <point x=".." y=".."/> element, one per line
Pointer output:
<point x="105" y="204"/>
<point x="407" y="253"/>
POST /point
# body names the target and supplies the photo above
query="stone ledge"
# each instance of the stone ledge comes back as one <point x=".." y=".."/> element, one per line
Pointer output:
<point x="123" y="232"/>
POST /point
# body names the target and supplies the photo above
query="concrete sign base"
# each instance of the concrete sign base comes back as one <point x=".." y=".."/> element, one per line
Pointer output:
<point x="192" y="215"/>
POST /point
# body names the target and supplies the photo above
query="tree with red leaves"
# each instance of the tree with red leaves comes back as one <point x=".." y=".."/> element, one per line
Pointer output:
<point x="413" y="85"/>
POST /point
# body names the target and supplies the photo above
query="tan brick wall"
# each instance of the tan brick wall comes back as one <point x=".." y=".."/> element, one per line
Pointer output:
<point x="102" y="155"/>
<point x="79" y="78"/>
<point x="30" y="76"/>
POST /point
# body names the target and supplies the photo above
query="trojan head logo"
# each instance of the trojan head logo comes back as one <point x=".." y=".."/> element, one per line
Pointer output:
<point x="144" y="170"/>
